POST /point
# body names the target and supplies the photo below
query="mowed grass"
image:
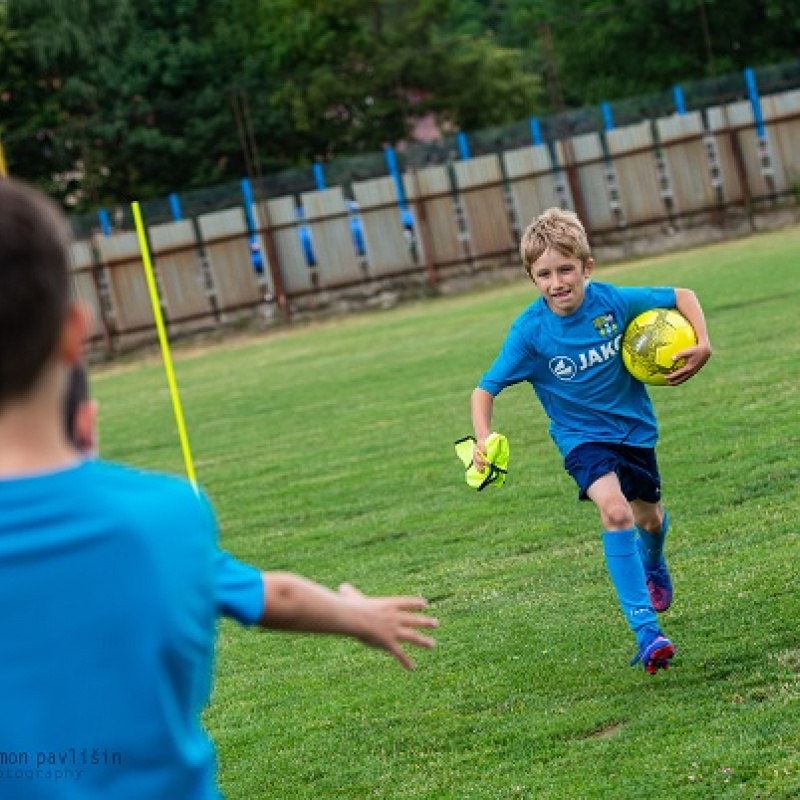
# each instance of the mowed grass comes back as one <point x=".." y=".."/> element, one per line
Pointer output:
<point x="328" y="451"/>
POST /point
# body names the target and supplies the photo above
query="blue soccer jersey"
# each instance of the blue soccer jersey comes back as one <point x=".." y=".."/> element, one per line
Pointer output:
<point x="574" y="365"/>
<point x="107" y="580"/>
<point x="239" y="590"/>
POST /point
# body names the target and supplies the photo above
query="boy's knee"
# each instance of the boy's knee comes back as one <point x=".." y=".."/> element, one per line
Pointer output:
<point x="616" y="515"/>
<point x="653" y="525"/>
<point x="652" y="521"/>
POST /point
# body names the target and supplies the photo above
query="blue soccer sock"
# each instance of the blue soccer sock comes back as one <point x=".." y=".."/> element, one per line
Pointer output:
<point x="652" y="544"/>
<point x="627" y="575"/>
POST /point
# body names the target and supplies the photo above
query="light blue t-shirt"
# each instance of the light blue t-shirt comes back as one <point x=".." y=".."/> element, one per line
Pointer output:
<point x="107" y="596"/>
<point x="574" y="365"/>
<point x="239" y="590"/>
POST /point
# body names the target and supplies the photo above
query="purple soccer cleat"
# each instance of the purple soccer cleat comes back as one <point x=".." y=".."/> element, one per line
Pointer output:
<point x="659" y="583"/>
<point x="655" y="654"/>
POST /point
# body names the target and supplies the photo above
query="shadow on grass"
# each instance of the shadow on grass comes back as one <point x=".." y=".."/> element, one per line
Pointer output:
<point x="752" y="301"/>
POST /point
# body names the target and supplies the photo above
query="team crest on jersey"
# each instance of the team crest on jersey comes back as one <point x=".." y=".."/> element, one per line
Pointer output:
<point x="606" y="324"/>
<point x="563" y="367"/>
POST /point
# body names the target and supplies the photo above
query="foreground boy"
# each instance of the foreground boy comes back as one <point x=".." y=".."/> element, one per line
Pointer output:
<point x="566" y="345"/>
<point x="107" y="574"/>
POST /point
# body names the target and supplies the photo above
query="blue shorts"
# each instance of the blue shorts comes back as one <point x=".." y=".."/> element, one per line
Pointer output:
<point x="636" y="468"/>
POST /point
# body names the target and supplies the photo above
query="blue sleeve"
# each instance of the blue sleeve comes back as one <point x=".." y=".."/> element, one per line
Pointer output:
<point x="513" y="364"/>
<point x="239" y="590"/>
<point x="641" y="299"/>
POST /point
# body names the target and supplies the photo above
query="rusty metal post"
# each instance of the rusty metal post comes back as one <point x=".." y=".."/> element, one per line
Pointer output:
<point x="247" y="138"/>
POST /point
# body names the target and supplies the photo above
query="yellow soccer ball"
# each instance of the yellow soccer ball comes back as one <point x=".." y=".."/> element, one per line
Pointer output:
<point x="651" y="340"/>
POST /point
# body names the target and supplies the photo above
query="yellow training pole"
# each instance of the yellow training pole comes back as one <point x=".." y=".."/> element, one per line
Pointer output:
<point x="162" y="338"/>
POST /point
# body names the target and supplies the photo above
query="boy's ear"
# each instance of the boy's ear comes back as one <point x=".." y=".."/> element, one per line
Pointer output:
<point x="74" y="333"/>
<point x="588" y="267"/>
<point x="86" y="435"/>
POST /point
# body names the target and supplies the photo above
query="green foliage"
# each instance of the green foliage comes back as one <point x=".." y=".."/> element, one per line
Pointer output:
<point x="64" y="35"/>
<point x="328" y="450"/>
<point x="485" y="85"/>
<point x="149" y="109"/>
<point x="110" y="100"/>
<point x="611" y="51"/>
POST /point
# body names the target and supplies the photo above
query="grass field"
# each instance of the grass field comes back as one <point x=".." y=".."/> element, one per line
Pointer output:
<point x="328" y="451"/>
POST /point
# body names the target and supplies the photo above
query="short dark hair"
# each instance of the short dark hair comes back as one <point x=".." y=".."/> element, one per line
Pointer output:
<point x="35" y="288"/>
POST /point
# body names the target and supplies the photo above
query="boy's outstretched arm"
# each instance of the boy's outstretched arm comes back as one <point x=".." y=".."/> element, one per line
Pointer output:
<point x="481" y="405"/>
<point x="687" y="303"/>
<point x="294" y="603"/>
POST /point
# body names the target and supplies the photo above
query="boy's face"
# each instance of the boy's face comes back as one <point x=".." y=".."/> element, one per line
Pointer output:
<point x="561" y="280"/>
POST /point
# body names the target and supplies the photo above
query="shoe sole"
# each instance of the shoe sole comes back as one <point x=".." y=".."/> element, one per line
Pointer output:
<point x="659" y="659"/>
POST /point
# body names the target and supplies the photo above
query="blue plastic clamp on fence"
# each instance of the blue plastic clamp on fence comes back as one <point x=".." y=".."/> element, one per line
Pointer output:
<point x="391" y="165"/>
<point x="319" y="177"/>
<point x="105" y="225"/>
<point x="755" y="101"/>
<point x="463" y="145"/>
<point x="608" y="117"/>
<point x="175" y="207"/>
<point x="680" y="102"/>
<point x="255" y="245"/>
<point x="536" y="131"/>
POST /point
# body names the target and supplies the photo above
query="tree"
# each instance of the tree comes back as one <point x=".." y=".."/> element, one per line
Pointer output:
<point x="62" y="35"/>
<point x="612" y="50"/>
<point x="362" y="71"/>
<point x="61" y="47"/>
<point x="103" y="100"/>
<point x="127" y="97"/>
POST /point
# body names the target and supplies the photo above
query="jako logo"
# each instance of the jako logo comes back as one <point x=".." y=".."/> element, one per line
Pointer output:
<point x="563" y="367"/>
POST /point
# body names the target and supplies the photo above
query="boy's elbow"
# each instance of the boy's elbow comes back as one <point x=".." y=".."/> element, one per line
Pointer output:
<point x="282" y="598"/>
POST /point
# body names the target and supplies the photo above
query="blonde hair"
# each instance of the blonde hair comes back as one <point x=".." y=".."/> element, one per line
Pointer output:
<point x="555" y="229"/>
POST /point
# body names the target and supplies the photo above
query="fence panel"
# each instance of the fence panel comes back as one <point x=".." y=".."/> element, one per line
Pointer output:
<point x="560" y="178"/>
<point x="295" y="269"/>
<point x="85" y="286"/>
<point x="181" y="279"/>
<point x="532" y="193"/>
<point x="329" y="222"/>
<point x="230" y="261"/>
<point x="128" y="294"/>
<point x="637" y="175"/>
<point x="386" y="244"/>
<point x="742" y="114"/>
<point x="592" y="178"/>
<point x="487" y="214"/>
<point x="687" y="162"/>
<point x="719" y="124"/>
<point x="430" y="191"/>
<point x="784" y="138"/>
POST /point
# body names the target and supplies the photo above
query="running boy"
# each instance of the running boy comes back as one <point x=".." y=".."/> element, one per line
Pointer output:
<point x="601" y="418"/>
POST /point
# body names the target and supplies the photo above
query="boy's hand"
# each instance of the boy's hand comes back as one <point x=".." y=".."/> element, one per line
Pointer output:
<point x="696" y="358"/>
<point x="479" y="455"/>
<point x="385" y="622"/>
